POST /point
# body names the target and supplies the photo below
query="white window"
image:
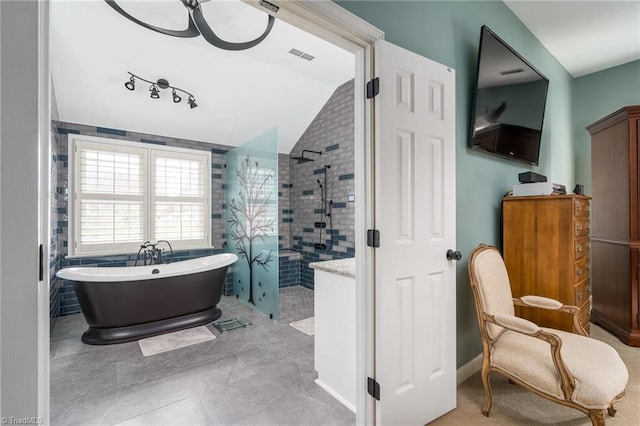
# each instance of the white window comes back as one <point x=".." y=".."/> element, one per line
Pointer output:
<point x="125" y="193"/>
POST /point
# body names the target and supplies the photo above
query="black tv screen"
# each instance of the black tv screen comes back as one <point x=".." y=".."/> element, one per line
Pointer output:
<point x="508" y="102"/>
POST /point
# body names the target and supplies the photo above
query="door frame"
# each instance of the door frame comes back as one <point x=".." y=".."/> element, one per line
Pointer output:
<point x="332" y="23"/>
<point x="336" y="25"/>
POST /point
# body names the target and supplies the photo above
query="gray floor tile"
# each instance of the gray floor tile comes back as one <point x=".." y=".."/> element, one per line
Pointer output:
<point x="262" y="374"/>
<point x="186" y="412"/>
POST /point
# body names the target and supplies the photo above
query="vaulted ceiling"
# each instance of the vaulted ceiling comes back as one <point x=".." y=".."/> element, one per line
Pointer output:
<point x="243" y="94"/>
<point x="584" y="36"/>
<point x="240" y="94"/>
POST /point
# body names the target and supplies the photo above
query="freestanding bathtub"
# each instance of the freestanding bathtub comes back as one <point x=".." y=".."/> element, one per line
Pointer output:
<point x="122" y="304"/>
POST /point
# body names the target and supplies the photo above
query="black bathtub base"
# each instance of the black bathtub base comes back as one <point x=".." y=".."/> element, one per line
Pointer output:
<point x="109" y="336"/>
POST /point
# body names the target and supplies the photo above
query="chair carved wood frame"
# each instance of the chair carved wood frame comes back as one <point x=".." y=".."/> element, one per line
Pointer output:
<point x="498" y="326"/>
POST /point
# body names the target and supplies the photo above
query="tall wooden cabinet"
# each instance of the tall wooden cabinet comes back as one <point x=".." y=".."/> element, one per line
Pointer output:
<point x="546" y="251"/>
<point x="615" y="141"/>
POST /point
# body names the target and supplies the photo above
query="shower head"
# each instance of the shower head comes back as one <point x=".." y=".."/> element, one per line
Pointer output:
<point x="303" y="159"/>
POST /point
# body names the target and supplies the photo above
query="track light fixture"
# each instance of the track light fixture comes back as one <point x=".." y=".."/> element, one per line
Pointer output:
<point x="155" y="93"/>
<point x="197" y="25"/>
<point x="160" y="84"/>
<point x="131" y="84"/>
<point x="176" y="98"/>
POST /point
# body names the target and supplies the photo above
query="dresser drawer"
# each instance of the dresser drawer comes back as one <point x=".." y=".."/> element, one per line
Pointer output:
<point x="580" y="207"/>
<point x="581" y="293"/>
<point x="581" y="227"/>
<point x="581" y="270"/>
<point x="584" y="315"/>
<point x="581" y="248"/>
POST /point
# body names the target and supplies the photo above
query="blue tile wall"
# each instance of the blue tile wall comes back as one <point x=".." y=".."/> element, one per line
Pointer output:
<point x="285" y="214"/>
<point x="155" y="142"/>
<point x="347" y="176"/>
<point x="298" y="205"/>
<point x="218" y="152"/>
<point x="332" y="133"/>
<point x="58" y="214"/>
<point x="289" y="263"/>
<point x="62" y="299"/>
<point x="63" y="131"/>
<point x="109" y="131"/>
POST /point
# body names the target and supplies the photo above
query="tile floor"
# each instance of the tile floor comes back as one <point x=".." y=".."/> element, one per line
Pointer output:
<point x="260" y="375"/>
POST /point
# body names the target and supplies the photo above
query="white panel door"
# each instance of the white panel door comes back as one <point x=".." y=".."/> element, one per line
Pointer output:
<point x="415" y="213"/>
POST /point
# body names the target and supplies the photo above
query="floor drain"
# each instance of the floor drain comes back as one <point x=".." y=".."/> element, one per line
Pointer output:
<point x="231" y="324"/>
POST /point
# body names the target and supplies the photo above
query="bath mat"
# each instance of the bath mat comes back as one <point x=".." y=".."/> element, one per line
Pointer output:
<point x="178" y="339"/>
<point x="307" y="325"/>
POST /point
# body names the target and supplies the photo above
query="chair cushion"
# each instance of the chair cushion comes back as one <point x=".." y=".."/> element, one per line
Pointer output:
<point x="599" y="373"/>
<point x="493" y="286"/>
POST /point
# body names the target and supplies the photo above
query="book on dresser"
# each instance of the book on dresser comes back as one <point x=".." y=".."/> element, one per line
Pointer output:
<point x="546" y="251"/>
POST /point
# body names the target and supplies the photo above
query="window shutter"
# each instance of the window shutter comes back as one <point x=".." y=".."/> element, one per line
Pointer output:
<point x="110" y="200"/>
<point x="127" y="193"/>
<point x="179" y="197"/>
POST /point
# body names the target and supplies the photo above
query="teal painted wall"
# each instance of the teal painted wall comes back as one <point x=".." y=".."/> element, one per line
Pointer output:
<point x="449" y="32"/>
<point x="595" y="96"/>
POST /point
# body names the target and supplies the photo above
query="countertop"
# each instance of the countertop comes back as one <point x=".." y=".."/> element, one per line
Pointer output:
<point x="344" y="267"/>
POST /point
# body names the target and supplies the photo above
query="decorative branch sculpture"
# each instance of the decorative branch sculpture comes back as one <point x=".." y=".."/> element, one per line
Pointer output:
<point x="248" y="216"/>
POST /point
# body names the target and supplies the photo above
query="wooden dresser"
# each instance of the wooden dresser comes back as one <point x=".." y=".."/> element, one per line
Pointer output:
<point x="615" y="168"/>
<point x="546" y="250"/>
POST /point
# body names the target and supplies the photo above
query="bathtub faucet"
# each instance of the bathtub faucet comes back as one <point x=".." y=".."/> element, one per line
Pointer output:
<point x="150" y="253"/>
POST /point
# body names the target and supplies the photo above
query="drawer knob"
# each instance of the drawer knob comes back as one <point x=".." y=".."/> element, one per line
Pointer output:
<point x="579" y="248"/>
<point x="578" y="228"/>
<point x="579" y="296"/>
<point x="579" y="271"/>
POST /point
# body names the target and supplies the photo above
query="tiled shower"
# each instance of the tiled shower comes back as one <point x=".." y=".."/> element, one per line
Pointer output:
<point x="299" y="204"/>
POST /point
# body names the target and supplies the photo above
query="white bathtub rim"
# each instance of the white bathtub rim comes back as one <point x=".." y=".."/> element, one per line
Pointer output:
<point x="140" y="273"/>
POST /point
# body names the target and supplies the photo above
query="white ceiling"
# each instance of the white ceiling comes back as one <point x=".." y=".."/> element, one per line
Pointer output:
<point x="243" y="94"/>
<point x="240" y="95"/>
<point x="584" y="36"/>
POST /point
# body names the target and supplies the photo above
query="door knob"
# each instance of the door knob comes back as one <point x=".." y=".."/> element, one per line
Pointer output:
<point x="453" y="255"/>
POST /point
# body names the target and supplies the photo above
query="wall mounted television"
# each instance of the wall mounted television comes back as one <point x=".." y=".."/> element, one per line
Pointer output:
<point x="508" y="102"/>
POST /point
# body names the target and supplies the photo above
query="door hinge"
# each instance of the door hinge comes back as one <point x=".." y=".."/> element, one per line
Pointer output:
<point x="373" y="87"/>
<point x="41" y="263"/>
<point x="373" y="238"/>
<point x="373" y="388"/>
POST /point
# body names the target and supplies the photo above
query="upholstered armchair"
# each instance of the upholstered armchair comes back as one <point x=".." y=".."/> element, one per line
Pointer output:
<point x="570" y="369"/>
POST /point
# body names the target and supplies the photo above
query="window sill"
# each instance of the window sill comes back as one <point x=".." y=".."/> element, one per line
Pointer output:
<point x="96" y="255"/>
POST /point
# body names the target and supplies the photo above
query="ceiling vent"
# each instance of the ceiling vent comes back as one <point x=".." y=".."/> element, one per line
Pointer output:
<point x="301" y="54"/>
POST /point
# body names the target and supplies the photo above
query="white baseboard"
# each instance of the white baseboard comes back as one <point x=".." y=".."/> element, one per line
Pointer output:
<point x="336" y="395"/>
<point x="469" y="369"/>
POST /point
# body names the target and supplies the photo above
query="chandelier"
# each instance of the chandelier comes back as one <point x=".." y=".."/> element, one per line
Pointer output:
<point x="197" y="25"/>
